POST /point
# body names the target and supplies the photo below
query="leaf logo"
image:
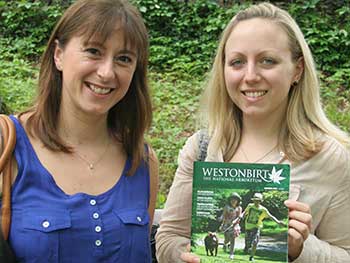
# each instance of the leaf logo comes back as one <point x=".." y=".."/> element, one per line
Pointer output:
<point x="275" y="176"/>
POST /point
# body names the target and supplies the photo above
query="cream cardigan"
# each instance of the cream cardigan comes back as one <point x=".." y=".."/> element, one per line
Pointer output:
<point x="323" y="182"/>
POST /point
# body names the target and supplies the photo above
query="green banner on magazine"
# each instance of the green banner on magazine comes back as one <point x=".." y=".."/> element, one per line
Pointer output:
<point x="238" y="212"/>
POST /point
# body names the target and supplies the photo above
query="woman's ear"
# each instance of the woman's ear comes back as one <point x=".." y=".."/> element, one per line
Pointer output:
<point x="299" y="69"/>
<point x="58" y="56"/>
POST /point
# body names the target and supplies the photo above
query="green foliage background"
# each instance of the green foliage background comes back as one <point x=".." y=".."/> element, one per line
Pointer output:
<point x="183" y="37"/>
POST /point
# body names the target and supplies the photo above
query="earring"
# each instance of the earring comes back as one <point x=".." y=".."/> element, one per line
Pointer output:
<point x="58" y="66"/>
<point x="294" y="83"/>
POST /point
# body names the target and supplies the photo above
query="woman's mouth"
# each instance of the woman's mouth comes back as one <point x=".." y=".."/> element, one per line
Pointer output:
<point x="98" y="89"/>
<point x="254" y="94"/>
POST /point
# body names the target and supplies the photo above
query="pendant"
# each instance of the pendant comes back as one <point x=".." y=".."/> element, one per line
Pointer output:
<point x="91" y="166"/>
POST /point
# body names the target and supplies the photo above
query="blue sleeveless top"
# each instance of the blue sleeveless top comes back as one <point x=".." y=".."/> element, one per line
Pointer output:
<point x="50" y="226"/>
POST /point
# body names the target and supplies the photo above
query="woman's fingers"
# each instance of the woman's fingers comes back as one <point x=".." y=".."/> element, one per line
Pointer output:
<point x="299" y="226"/>
<point x="300" y="212"/>
<point x="295" y="243"/>
<point x="299" y="206"/>
<point x="300" y="220"/>
<point x="189" y="257"/>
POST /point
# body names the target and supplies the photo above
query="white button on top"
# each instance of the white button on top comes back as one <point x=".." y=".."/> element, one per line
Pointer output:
<point x="92" y="202"/>
<point x="98" y="229"/>
<point x="46" y="224"/>
<point x="98" y="242"/>
<point x="139" y="219"/>
<point x="95" y="215"/>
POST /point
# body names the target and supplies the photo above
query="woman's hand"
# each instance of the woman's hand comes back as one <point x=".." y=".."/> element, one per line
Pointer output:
<point x="300" y="220"/>
<point x="189" y="257"/>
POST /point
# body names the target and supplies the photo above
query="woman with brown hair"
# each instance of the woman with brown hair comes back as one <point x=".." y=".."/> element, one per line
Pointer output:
<point x="86" y="180"/>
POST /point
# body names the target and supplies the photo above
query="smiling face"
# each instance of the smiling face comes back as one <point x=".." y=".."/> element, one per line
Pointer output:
<point x="258" y="68"/>
<point x="95" y="75"/>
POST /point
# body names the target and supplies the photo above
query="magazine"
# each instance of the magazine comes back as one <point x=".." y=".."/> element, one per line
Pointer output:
<point x="238" y="212"/>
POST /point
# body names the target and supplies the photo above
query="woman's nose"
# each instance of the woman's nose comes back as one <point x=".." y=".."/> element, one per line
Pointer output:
<point x="106" y="70"/>
<point x="252" y="73"/>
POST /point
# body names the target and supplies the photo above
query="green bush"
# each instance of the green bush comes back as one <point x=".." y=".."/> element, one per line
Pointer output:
<point x="175" y="107"/>
<point x="26" y="26"/>
<point x="17" y="82"/>
<point x="328" y="34"/>
<point x="183" y="34"/>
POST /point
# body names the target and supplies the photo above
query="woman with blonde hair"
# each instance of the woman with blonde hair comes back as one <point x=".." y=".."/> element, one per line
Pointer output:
<point x="262" y="105"/>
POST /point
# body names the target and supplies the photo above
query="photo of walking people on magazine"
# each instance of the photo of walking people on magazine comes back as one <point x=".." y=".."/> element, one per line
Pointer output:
<point x="247" y="223"/>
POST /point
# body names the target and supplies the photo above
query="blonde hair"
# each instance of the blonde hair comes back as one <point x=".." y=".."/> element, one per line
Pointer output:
<point x="305" y="119"/>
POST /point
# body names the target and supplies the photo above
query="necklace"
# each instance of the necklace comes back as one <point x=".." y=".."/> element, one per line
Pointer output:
<point x="91" y="165"/>
<point x="262" y="157"/>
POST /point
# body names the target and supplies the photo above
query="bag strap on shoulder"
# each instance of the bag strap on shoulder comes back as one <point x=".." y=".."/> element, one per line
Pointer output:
<point x="8" y="136"/>
<point x="203" y="142"/>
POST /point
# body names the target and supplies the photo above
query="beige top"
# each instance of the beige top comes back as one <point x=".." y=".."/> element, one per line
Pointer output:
<point x="323" y="182"/>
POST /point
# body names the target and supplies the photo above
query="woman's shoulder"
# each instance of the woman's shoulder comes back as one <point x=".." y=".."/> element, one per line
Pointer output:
<point x="188" y="154"/>
<point x="333" y="158"/>
<point x="334" y="150"/>
<point x="191" y="146"/>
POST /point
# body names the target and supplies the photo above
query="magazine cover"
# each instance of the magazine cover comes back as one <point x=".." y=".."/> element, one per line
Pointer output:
<point x="238" y="212"/>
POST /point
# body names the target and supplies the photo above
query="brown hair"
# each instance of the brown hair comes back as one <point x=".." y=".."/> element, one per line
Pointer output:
<point x="129" y="118"/>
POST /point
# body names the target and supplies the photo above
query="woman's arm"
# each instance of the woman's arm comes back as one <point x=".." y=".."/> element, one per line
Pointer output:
<point x="325" y="182"/>
<point x="154" y="179"/>
<point x="173" y="235"/>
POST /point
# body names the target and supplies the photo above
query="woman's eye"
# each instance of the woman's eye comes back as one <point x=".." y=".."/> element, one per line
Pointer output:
<point x="236" y="63"/>
<point x="93" y="51"/>
<point x="124" y="59"/>
<point x="268" y="61"/>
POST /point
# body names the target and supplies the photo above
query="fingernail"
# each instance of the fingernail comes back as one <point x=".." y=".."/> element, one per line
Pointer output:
<point x="197" y="260"/>
<point x="287" y="202"/>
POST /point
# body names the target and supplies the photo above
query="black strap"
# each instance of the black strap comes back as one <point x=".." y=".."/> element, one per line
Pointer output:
<point x="6" y="253"/>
